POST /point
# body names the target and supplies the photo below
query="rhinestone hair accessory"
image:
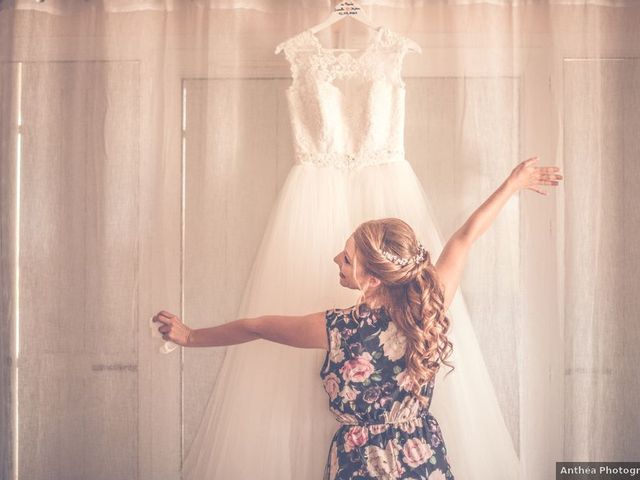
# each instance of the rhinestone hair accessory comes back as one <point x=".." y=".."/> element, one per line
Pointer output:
<point x="419" y="258"/>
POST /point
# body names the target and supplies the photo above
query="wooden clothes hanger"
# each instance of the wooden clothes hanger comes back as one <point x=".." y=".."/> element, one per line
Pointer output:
<point x="349" y="9"/>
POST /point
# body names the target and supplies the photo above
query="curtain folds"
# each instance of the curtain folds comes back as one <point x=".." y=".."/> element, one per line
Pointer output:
<point x="143" y="145"/>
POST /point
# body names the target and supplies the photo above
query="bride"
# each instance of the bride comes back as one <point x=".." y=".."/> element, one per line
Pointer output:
<point x="309" y="333"/>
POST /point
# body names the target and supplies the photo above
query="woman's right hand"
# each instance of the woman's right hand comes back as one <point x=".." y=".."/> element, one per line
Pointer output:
<point x="526" y="175"/>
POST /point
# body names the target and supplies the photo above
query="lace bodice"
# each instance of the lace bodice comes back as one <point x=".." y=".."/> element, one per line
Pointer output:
<point x="347" y="110"/>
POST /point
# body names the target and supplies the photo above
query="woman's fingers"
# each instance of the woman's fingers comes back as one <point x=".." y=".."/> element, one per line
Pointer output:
<point x="164" y="316"/>
<point x="165" y="319"/>
<point x="550" y="175"/>
<point x="547" y="175"/>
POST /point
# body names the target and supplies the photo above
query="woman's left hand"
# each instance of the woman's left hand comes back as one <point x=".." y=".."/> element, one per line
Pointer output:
<point x="526" y="175"/>
<point x="172" y="328"/>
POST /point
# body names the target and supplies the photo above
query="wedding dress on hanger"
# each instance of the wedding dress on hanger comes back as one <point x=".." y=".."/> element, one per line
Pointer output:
<point x="268" y="416"/>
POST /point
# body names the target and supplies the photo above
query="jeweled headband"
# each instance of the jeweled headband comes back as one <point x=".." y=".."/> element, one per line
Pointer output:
<point x="419" y="258"/>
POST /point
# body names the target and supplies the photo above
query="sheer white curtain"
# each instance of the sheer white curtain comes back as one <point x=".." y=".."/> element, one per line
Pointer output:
<point x="143" y="144"/>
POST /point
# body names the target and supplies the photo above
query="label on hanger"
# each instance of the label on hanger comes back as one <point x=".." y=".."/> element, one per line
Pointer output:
<point x="347" y="8"/>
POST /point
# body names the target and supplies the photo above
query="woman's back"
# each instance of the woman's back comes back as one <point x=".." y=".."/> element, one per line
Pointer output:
<point x="386" y="432"/>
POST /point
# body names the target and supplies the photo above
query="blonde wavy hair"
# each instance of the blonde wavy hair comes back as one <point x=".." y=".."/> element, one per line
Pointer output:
<point x="414" y="294"/>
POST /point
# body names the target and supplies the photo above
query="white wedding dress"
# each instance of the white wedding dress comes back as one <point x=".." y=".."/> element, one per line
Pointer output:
<point x="268" y="415"/>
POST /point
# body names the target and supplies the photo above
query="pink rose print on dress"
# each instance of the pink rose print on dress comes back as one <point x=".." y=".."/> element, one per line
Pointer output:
<point x="437" y="475"/>
<point x="348" y="394"/>
<point x="331" y="385"/>
<point x="355" y="437"/>
<point x="416" y="452"/>
<point x="357" y="369"/>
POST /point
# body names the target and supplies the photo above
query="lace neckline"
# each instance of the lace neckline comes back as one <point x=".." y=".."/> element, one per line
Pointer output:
<point x="333" y="52"/>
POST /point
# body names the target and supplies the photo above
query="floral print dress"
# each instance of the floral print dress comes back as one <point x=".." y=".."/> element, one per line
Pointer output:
<point x="385" y="432"/>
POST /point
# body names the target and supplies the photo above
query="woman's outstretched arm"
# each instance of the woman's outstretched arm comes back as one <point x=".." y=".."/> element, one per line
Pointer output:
<point x="453" y="257"/>
<point x="306" y="331"/>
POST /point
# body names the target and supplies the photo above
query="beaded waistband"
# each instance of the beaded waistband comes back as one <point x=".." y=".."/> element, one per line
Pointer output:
<point x="349" y="161"/>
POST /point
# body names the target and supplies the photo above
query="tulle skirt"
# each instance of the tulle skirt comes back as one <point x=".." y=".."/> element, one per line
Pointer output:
<point x="268" y="415"/>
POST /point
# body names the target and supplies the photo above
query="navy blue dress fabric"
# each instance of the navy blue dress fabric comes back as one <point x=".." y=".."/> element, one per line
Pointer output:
<point x="385" y="432"/>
